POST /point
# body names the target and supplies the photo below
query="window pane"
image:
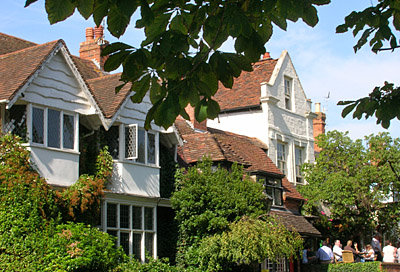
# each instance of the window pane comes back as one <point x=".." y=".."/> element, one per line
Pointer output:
<point x="124" y="241"/>
<point x="151" y="148"/>
<point x="278" y="197"/>
<point x="112" y="141"/>
<point x="15" y="121"/>
<point x="68" y="131"/>
<point x="53" y="128"/>
<point x="137" y="245"/>
<point x="37" y="125"/>
<point x="149" y="243"/>
<point x="137" y="217"/>
<point x="130" y="142"/>
<point x="148" y="218"/>
<point x="269" y="192"/>
<point x="113" y="233"/>
<point x="124" y="216"/>
<point x="141" y="146"/>
<point x="111" y="215"/>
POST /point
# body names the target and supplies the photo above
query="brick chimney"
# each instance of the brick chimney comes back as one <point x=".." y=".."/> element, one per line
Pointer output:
<point x="190" y="111"/>
<point x="266" y="55"/>
<point x="318" y="124"/>
<point x="92" y="47"/>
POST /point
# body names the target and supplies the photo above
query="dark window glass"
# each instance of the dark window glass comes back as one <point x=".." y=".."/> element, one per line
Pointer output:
<point x="137" y="245"/>
<point x="151" y="148"/>
<point x="124" y="241"/>
<point x="124" y="216"/>
<point x="141" y="146"/>
<point x="137" y="217"/>
<point x="112" y="141"/>
<point x="149" y="243"/>
<point x="53" y="128"/>
<point x="111" y="215"/>
<point x="15" y="121"/>
<point x="148" y="218"/>
<point x="68" y="131"/>
<point x="37" y="125"/>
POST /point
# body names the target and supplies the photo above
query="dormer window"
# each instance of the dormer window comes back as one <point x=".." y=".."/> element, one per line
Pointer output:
<point x="288" y="93"/>
<point x="273" y="188"/>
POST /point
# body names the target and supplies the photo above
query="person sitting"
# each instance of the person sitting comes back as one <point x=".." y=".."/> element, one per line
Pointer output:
<point x="388" y="252"/>
<point x="324" y="254"/>
<point x="337" y="251"/>
<point x="370" y="254"/>
<point x="355" y="251"/>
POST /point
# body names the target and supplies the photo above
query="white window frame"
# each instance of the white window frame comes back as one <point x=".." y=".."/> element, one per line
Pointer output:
<point x="274" y="184"/>
<point x="298" y="163"/>
<point x="135" y="158"/>
<point x="30" y="108"/>
<point x="281" y="159"/>
<point x="133" y="128"/>
<point x="142" y="231"/>
<point x="288" y="91"/>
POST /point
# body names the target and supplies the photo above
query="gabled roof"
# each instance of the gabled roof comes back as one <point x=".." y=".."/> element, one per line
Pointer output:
<point x="246" y="90"/>
<point x="229" y="147"/>
<point x="17" y="67"/>
<point x="104" y="91"/>
<point x="20" y="60"/>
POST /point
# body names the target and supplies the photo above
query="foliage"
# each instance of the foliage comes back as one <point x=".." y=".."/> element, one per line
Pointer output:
<point x="216" y="210"/>
<point x="383" y="101"/>
<point x="343" y="267"/>
<point x="159" y="265"/>
<point x="352" y="180"/>
<point x="76" y="247"/>
<point x="179" y="61"/>
<point x="246" y="242"/>
<point x="31" y="237"/>
<point x="81" y="201"/>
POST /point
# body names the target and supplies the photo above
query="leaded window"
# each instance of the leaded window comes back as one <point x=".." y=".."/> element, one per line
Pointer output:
<point x="131" y="140"/>
<point x="15" y="121"/>
<point x="38" y="125"/>
<point x="134" y="227"/>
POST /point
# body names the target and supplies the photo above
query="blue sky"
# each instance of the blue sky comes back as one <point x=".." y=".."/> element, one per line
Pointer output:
<point x="325" y="61"/>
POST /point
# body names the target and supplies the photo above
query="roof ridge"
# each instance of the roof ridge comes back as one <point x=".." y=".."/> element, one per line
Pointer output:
<point x="14" y="37"/>
<point x="29" y="48"/>
<point x="103" y="77"/>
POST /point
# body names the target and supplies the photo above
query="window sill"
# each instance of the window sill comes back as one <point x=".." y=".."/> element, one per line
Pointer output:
<point x="137" y="163"/>
<point x="70" y="151"/>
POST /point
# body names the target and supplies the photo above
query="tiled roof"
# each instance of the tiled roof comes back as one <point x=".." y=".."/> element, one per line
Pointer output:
<point x="16" y="67"/>
<point x="227" y="146"/>
<point x="297" y="222"/>
<point x="224" y="146"/>
<point x="103" y="89"/>
<point x="246" y="90"/>
<point x="10" y="44"/>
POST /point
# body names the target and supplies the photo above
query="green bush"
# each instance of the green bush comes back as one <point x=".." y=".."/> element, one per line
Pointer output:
<point x="343" y="267"/>
<point x="152" y="265"/>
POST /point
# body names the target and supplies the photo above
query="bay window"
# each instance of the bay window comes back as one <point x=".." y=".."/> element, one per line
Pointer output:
<point x="140" y="145"/>
<point x="53" y="128"/>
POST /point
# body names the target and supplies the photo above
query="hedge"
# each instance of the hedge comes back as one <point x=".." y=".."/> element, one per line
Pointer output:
<point x="343" y="267"/>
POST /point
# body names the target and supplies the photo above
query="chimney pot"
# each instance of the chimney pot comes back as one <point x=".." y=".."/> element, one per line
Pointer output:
<point x="266" y="55"/>
<point x="89" y="33"/>
<point x="318" y="107"/>
<point x="98" y="32"/>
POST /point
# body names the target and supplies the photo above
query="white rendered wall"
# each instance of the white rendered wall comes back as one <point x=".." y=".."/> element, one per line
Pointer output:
<point x="136" y="179"/>
<point x="56" y="166"/>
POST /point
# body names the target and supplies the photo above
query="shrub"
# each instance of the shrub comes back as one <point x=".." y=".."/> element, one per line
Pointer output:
<point x="343" y="267"/>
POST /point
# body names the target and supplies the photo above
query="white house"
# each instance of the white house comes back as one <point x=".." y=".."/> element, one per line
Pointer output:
<point x="271" y="105"/>
<point x="56" y="102"/>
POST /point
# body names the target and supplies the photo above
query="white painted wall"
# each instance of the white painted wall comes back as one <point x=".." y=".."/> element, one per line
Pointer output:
<point x="56" y="166"/>
<point x="274" y="123"/>
<point x="136" y="179"/>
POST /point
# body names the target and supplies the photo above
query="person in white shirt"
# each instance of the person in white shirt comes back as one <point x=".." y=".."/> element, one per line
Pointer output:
<point x="388" y="252"/>
<point x="324" y="254"/>
<point x="337" y="251"/>
<point x="370" y="254"/>
<point x="376" y="246"/>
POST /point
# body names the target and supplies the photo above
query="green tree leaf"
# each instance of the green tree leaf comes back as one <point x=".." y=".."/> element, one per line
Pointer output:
<point x="59" y="10"/>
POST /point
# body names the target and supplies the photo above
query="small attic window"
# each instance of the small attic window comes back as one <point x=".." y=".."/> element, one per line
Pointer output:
<point x="288" y="82"/>
<point x="273" y="188"/>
